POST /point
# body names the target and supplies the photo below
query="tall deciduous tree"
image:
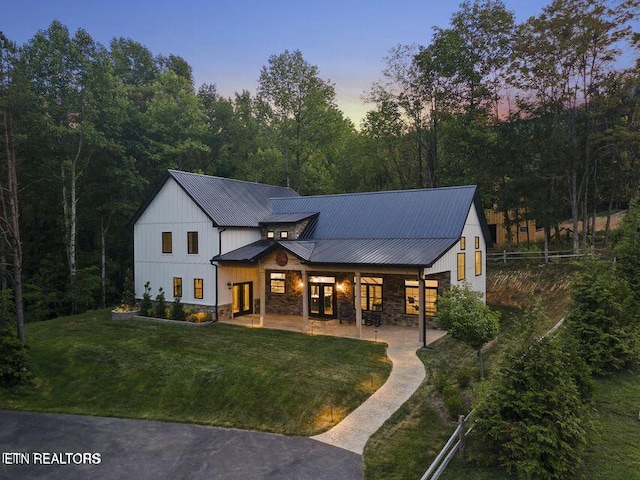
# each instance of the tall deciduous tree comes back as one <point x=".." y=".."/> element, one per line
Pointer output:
<point x="62" y="70"/>
<point x="10" y="220"/>
<point x="296" y="94"/>
<point x="561" y="58"/>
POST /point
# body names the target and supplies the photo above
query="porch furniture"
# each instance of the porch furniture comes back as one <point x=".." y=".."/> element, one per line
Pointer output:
<point x="346" y="312"/>
<point x="373" y="317"/>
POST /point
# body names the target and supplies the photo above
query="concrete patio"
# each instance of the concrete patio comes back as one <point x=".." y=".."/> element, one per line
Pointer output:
<point x="353" y="432"/>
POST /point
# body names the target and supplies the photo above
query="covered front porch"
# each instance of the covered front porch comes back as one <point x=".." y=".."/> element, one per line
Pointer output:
<point x="333" y="327"/>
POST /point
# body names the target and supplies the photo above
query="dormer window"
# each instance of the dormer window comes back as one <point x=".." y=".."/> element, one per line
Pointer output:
<point x="271" y="234"/>
<point x="284" y="235"/>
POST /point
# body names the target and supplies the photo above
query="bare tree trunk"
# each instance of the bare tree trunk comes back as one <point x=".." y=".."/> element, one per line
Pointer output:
<point x="103" y="258"/>
<point x="614" y="191"/>
<point x="12" y="219"/>
<point x="69" y="207"/>
<point x="575" y="216"/>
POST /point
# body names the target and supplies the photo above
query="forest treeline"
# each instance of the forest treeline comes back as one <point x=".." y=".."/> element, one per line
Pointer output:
<point x="539" y="114"/>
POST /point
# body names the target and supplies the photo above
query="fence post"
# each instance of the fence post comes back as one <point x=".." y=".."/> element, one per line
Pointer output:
<point x="504" y="256"/>
<point x="461" y="434"/>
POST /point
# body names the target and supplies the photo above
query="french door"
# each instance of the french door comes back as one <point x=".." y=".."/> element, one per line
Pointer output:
<point x="242" y="298"/>
<point x="322" y="300"/>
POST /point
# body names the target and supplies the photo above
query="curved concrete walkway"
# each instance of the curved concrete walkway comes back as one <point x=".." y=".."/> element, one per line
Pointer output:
<point x="407" y="374"/>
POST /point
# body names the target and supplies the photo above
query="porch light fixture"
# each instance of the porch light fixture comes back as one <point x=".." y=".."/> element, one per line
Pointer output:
<point x="229" y="285"/>
<point x="340" y="287"/>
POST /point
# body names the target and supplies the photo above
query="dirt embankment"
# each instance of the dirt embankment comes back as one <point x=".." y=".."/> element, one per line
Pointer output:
<point x="523" y="285"/>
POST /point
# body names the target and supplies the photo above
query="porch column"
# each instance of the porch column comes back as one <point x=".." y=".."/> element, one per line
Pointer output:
<point x="263" y="295"/>
<point x="421" y="310"/>
<point x="358" y="306"/>
<point x="305" y="302"/>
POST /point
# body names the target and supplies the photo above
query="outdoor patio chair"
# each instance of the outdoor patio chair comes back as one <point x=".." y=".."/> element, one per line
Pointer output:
<point x="346" y="312"/>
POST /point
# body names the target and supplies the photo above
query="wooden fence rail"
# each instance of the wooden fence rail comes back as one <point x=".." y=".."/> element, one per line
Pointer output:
<point x="546" y="256"/>
<point x="456" y="442"/>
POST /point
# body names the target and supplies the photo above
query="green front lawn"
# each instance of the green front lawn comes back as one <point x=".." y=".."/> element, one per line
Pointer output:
<point x="218" y="374"/>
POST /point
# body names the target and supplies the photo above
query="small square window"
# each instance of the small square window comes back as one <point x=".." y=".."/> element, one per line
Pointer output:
<point x="284" y="234"/>
<point x="271" y="234"/>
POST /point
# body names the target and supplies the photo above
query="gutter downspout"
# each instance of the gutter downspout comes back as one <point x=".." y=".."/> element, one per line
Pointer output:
<point x="216" y="265"/>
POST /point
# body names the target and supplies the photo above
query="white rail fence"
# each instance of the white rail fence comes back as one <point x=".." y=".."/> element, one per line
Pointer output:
<point x="546" y="256"/>
<point x="456" y="442"/>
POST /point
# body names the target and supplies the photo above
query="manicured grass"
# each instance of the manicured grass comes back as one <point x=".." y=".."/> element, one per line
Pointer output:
<point x="218" y="374"/>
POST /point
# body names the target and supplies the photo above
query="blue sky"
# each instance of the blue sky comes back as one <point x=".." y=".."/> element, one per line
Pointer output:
<point x="228" y="41"/>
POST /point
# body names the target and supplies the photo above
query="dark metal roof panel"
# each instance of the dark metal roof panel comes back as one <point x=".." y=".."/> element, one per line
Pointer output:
<point x="382" y="252"/>
<point x="431" y="213"/>
<point x="389" y="251"/>
<point x="230" y="203"/>
<point x="248" y="253"/>
<point x="302" y="250"/>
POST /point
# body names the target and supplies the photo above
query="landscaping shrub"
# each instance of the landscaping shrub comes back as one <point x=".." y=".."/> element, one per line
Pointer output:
<point x="159" y="309"/>
<point x="453" y="401"/>
<point x="128" y="290"/>
<point x="146" y="307"/>
<point x="177" y="310"/>
<point x="440" y="380"/>
<point x="463" y="377"/>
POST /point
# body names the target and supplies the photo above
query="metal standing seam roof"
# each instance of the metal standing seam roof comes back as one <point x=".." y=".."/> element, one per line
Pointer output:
<point x="230" y="203"/>
<point x="381" y="252"/>
<point x="227" y="202"/>
<point x="418" y="214"/>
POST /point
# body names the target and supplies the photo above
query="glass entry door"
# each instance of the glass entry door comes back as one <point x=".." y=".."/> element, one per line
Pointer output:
<point x="242" y="298"/>
<point x="321" y="300"/>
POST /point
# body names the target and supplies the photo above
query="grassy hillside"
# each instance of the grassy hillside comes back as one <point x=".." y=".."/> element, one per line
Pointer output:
<point x="409" y="441"/>
<point x="219" y="374"/>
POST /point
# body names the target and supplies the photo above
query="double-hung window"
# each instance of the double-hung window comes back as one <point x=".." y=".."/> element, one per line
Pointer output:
<point x="167" y="242"/>
<point x="192" y="243"/>
<point x="177" y="286"/>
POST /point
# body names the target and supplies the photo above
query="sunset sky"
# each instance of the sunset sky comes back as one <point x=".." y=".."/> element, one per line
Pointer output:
<point x="228" y="41"/>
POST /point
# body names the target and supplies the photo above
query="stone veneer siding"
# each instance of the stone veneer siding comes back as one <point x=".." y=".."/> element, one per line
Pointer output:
<point x="393" y="295"/>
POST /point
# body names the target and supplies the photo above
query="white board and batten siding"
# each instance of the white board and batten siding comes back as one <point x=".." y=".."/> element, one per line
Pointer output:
<point x="173" y="211"/>
<point x="449" y="261"/>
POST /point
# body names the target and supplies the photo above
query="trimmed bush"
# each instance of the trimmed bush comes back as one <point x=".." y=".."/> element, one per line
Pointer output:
<point x="177" y="310"/>
<point x="159" y="309"/>
<point x="146" y="307"/>
<point x="453" y="401"/>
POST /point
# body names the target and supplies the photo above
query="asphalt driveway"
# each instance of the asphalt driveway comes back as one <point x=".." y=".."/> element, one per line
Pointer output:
<point x="141" y="449"/>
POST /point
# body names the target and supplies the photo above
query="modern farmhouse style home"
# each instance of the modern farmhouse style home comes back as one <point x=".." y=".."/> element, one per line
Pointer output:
<point x="236" y="247"/>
